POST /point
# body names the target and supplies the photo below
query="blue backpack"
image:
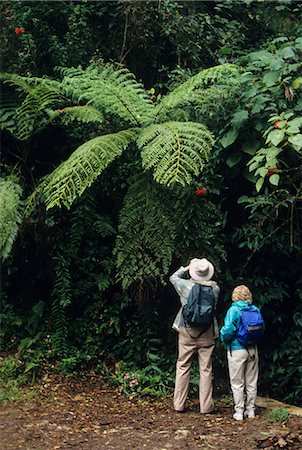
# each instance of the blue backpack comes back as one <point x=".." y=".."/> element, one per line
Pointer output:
<point x="199" y="310"/>
<point x="251" y="327"/>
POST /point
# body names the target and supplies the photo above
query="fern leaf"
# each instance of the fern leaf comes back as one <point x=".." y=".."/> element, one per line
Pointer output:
<point x="175" y="150"/>
<point x="187" y="91"/>
<point x="114" y="91"/>
<point x="61" y="300"/>
<point x="69" y="180"/>
<point x="146" y="233"/>
<point x="85" y="114"/>
<point x="8" y="107"/>
<point x="10" y="214"/>
<point x="37" y="101"/>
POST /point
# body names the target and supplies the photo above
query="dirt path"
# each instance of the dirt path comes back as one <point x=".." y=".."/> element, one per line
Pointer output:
<point x="90" y="415"/>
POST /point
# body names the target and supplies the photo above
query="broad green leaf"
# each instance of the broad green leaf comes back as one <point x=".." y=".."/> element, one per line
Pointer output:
<point x="240" y="117"/>
<point x="253" y="166"/>
<point x="296" y="141"/>
<point x="272" y="152"/>
<point x="298" y="43"/>
<point x="233" y="159"/>
<point x="230" y="137"/>
<point x="243" y="199"/>
<point x="270" y="78"/>
<point x="259" y="184"/>
<point x="249" y="176"/>
<point x="274" y="179"/>
<point x="250" y="147"/>
<point x="286" y="52"/>
<point x="275" y="137"/>
<point x="263" y="56"/>
<point x="277" y="64"/>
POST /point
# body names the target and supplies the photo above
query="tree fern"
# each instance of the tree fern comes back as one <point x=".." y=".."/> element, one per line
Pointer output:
<point x="69" y="180"/>
<point x="85" y="114"/>
<point x="37" y="100"/>
<point x="8" y="105"/>
<point x="10" y="214"/>
<point x="146" y="233"/>
<point x="61" y="299"/>
<point x="112" y="90"/>
<point x="192" y="89"/>
<point x="175" y="150"/>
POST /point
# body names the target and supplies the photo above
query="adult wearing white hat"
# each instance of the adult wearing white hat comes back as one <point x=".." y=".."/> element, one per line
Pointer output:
<point x="191" y="341"/>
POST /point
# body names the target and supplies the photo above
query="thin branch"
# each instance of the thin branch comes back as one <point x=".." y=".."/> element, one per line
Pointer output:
<point x="124" y="37"/>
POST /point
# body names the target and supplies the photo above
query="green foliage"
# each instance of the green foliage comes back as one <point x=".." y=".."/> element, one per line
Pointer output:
<point x="69" y="180"/>
<point x="10" y="214"/>
<point x="145" y="240"/>
<point x="61" y="300"/>
<point x="85" y="114"/>
<point x="112" y="90"/>
<point x="195" y="89"/>
<point x="278" y="415"/>
<point x="176" y="150"/>
<point x="229" y="72"/>
<point x="150" y="381"/>
<point x="39" y="96"/>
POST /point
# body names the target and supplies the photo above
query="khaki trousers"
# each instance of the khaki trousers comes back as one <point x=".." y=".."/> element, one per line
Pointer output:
<point x="187" y="347"/>
<point x="243" y="370"/>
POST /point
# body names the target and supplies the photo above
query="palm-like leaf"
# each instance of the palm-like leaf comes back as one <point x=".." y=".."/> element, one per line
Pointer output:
<point x="175" y="150"/>
<point x="69" y="180"/>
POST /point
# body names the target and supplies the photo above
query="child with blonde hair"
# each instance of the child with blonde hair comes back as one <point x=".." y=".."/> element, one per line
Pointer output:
<point x="243" y="359"/>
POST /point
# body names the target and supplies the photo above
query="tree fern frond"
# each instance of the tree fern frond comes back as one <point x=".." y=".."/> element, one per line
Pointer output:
<point x="112" y="90"/>
<point x="84" y="114"/>
<point x="61" y="300"/>
<point x="8" y="107"/>
<point x="10" y="214"/>
<point x="146" y="232"/>
<point x="186" y="92"/>
<point x="37" y="100"/>
<point x="175" y="150"/>
<point x="69" y="180"/>
<point x="26" y="84"/>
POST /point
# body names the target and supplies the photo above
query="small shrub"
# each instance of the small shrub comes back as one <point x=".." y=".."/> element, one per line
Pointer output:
<point x="278" y="415"/>
<point x="149" y="381"/>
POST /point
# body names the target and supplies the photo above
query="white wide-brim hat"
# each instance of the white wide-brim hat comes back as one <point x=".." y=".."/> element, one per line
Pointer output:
<point x="201" y="270"/>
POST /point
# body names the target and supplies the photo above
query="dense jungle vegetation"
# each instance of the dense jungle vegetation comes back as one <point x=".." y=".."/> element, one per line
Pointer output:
<point x="135" y="136"/>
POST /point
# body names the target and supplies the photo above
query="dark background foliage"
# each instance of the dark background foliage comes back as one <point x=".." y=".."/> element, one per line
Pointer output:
<point x="60" y="301"/>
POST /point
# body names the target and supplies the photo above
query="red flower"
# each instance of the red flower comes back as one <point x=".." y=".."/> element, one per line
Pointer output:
<point x="271" y="171"/>
<point x="19" y="30"/>
<point x="276" y="124"/>
<point x="201" y="192"/>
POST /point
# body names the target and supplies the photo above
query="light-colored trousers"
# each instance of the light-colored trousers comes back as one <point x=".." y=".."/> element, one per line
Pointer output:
<point x="187" y="347"/>
<point x="243" y="370"/>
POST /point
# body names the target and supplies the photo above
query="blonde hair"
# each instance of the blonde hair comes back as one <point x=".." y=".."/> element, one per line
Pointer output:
<point x="242" y="292"/>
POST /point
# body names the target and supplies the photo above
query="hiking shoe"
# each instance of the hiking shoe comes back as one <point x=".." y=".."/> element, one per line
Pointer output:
<point x="238" y="416"/>
<point x="249" y="414"/>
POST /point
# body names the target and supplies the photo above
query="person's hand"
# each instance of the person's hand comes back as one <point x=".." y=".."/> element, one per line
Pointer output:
<point x="189" y="265"/>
